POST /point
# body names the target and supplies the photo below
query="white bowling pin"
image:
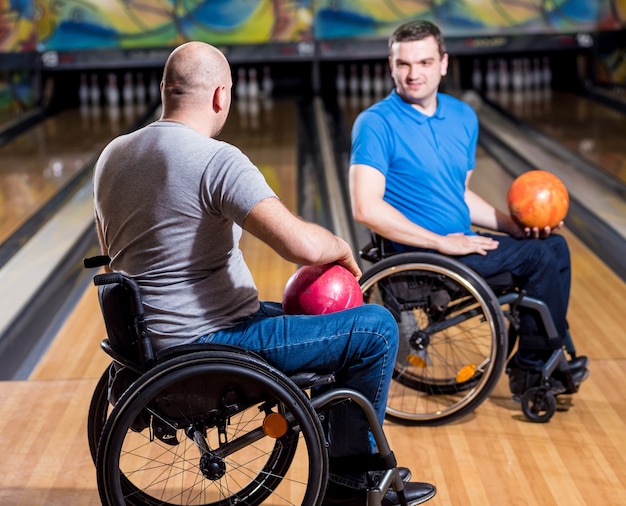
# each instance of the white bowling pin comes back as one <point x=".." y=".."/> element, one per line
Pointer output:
<point x="267" y="84"/>
<point x="128" y="91"/>
<point x="94" y="90"/>
<point x="253" y="84"/>
<point x="353" y="81"/>
<point x="340" y="80"/>
<point x="241" y="88"/>
<point x="378" y="83"/>
<point x="83" y="90"/>
<point x="112" y="92"/>
<point x="140" y="89"/>
<point x="477" y="76"/>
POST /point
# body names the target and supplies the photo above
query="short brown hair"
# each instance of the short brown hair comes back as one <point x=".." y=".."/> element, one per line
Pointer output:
<point x="418" y="30"/>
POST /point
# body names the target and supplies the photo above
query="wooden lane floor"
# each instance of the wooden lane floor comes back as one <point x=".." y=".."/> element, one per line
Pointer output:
<point x="592" y="130"/>
<point x="39" y="163"/>
<point x="493" y="457"/>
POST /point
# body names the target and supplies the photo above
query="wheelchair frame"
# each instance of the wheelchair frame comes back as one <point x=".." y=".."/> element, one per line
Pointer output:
<point x="454" y="341"/>
<point x="189" y="417"/>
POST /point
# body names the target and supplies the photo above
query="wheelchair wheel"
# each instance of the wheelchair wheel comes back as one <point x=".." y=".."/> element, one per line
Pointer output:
<point x="212" y="428"/>
<point x="98" y="413"/>
<point x="453" y="339"/>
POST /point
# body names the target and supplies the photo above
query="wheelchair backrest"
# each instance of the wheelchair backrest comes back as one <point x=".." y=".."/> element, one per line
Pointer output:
<point x="119" y="320"/>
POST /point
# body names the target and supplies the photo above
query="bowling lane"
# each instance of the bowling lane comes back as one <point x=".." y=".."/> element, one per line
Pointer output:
<point x="41" y="162"/>
<point x="592" y="130"/>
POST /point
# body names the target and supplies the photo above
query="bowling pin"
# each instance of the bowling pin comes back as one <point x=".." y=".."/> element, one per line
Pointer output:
<point x="113" y="112"/>
<point x="267" y="84"/>
<point x="253" y="84"/>
<point x="529" y="79"/>
<point x="490" y="77"/>
<point x="241" y="88"/>
<point x="83" y="90"/>
<point x="127" y="89"/>
<point x="378" y="84"/>
<point x="517" y="77"/>
<point x="112" y="93"/>
<point x="537" y="73"/>
<point x="503" y="75"/>
<point x="477" y="76"/>
<point x="140" y="89"/>
<point x="547" y="73"/>
<point x="353" y="80"/>
<point x="340" y="80"/>
<point x="94" y="91"/>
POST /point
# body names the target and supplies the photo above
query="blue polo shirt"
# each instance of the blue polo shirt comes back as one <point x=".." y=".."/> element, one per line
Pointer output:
<point x="425" y="159"/>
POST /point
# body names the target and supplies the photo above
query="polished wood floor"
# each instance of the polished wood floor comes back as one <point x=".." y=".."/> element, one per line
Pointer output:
<point x="493" y="457"/>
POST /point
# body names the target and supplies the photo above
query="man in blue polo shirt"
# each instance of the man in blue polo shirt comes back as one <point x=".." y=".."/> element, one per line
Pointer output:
<point x="413" y="154"/>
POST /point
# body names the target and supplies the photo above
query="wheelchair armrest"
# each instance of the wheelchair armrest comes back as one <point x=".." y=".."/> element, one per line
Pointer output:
<point x="306" y="380"/>
<point x="96" y="261"/>
<point x="106" y="346"/>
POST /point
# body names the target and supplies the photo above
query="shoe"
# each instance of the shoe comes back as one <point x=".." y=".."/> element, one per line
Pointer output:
<point x="404" y="472"/>
<point x="578" y="362"/>
<point x="521" y="380"/>
<point x="415" y="493"/>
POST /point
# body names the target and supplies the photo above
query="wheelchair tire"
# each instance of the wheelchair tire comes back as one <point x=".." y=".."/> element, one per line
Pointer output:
<point x="538" y="404"/>
<point x="98" y="413"/>
<point x="453" y="336"/>
<point x="205" y="442"/>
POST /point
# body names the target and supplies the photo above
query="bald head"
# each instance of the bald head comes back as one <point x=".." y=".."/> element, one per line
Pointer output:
<point x="193" y="73"/>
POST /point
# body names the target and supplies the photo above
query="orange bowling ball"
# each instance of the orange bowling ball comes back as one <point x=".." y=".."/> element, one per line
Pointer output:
<point x="538" y="199"/>
<point x="321" y="289"/>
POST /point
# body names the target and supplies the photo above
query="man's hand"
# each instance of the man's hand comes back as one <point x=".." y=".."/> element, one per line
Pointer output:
<point x="461" y="244"/>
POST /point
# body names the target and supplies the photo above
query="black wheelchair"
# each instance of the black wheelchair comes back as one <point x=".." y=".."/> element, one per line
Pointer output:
<point x="211" y="424"/>
<point x="454" y="339"/>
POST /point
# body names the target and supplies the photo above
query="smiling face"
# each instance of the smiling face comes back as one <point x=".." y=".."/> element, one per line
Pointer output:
<point x="417" y="67"/>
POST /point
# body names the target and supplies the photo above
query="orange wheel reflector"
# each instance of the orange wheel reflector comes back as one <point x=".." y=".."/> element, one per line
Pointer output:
<point x="465" y="373"/>
<point x="417" y="361"/>
<point x="275" y="425"/>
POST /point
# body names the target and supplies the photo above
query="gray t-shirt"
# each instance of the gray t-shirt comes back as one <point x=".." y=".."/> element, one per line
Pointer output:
<point x="171" y="203"/>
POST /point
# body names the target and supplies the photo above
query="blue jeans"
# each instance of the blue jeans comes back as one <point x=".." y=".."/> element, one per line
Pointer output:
<point x="358" y="345"/>
<point x="541" y="267"/>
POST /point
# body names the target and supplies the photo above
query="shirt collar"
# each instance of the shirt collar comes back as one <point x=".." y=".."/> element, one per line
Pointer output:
<point x="421" y="118"/>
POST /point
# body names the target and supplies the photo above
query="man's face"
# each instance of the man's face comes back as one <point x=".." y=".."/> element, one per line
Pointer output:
<point x="417" y="69"/>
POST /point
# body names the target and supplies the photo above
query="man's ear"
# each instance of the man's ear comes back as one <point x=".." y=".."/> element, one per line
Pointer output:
<point x="219" y="98"/>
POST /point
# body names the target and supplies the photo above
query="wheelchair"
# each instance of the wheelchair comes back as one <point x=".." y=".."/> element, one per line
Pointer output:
<point x="454" y="340"/>
<point x="210" y="424"/>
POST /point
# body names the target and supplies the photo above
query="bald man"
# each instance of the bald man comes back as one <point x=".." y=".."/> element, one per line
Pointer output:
<point x="170" y="205"/>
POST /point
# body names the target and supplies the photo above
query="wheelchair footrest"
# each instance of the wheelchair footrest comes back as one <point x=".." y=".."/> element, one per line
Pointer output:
<point x="362" y="463"/>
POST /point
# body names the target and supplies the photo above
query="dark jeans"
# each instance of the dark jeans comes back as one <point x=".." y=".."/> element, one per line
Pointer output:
<point x="542" y="267"/>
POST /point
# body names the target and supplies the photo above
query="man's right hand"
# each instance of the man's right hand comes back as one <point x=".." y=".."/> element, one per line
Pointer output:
<point x="461" y="244"/>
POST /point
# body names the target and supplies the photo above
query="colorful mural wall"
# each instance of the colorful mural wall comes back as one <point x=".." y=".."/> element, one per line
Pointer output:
<point x="30" y="26"/>
<point x="374" y="19"/>
<point x="68" y="25"/>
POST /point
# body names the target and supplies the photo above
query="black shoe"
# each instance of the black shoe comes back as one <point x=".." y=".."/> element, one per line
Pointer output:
<point x="404" y="472"/>
<point x="578" y="376"/>
<point x="578" y="362"/>
<point x="521" y="380"/>
<point x="415" y="493"/>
